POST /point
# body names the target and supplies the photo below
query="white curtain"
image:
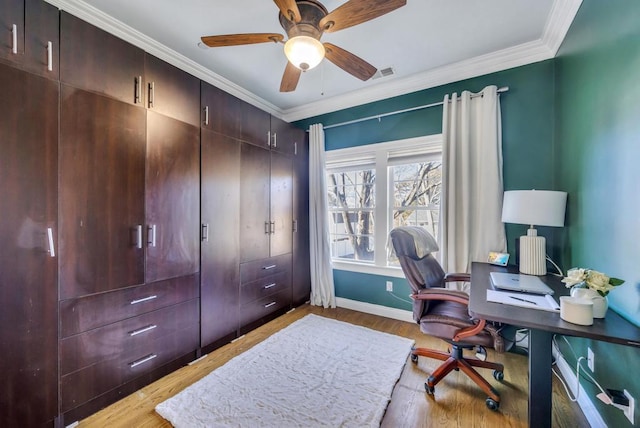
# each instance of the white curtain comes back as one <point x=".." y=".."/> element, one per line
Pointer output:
<point x="472" y="188"/>
<point x="322" y="288"/>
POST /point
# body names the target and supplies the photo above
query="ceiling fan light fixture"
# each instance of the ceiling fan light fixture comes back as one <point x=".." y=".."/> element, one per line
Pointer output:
<point x="304" y="52"/>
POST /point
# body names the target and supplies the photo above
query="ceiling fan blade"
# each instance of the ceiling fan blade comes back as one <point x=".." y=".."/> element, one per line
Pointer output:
<point x="349" y="62"/>
<point x="356" y="12"/>
<point x="290" y="78"/>
<point x="289" y="8"/>
<point x="241" y="39"/>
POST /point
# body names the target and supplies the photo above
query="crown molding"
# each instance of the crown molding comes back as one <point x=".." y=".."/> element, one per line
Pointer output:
<point x="105" y="22"/>
<point x="560" y="18"/>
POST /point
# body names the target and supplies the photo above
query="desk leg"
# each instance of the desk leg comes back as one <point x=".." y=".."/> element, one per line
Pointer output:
<point x="540" y="378"/>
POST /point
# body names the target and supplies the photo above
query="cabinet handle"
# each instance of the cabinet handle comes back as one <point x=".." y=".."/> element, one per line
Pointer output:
<point x="206" y="115"/>
<point x="268" y="305"/>
<point x="205" y="233"/>
<point x="52" y="250"/>
<point x="151" y="235"/>
<point x="142" y="330"/>
<point x="267" y="227"/>
<point x="138" y="243"/>
<point x="142" y="360"/>
<point x="269" y="138"/>
<point x="269" y="267"/>
<point x="151" y="94"/>
<point x="295" y="225"/>
<point x="136" y="99"/>
<point x="144" y="299"/>
<point x="275" y="140"/>
<point x="49" y="56"/>
<point x="295" y="148"/>
<point x="272" y="228"/>
<point x="268" y="286"/>
<point x="14" y="39"/>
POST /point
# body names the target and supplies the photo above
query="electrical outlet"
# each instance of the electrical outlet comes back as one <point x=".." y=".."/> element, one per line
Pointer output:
<point x="628" y="412"/>
<point x="591" y="363"/>
<point x="389" y="286"/>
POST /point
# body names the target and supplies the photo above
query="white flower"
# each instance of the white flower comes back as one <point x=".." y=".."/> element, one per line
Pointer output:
<point x="598" y="281"/>
<point x="575" y="276"/>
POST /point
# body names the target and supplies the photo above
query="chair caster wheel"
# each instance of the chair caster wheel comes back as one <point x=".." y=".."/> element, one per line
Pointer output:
<point x="492" y="404"/>
<point x="430" y="389"/>
<point x="498" y="375"/>
<point x="414" y="358"/>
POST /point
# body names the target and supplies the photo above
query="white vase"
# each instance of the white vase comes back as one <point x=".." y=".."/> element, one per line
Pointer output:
<point x="600" y="304"/>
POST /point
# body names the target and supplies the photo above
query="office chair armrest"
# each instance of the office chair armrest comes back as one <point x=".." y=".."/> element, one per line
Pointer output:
<point x="442" y="294"/>
<point x="454" y="277"/>
<point x="470" y="331"/>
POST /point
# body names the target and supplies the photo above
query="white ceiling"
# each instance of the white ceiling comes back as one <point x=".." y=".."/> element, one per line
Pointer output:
<point x="427" y="42"/>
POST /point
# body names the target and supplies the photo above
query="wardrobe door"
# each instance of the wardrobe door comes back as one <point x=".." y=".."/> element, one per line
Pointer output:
<point x="41" y="39"/>
<point x="102" y="172"/>
<point x="28" y="256"/>
<point x="220" y="281"/>
<point x="220" y="112"/>
<point x="172" y="198"/>
<point x="301" y="284"/>
<point x="92" y="59"/>
<point x="12" y="30"/>
<point x="255" y="188"/>
<point x="281" y="209"/>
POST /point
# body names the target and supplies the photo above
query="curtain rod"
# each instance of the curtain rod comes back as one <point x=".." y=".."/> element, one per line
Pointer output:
<point x="380" y="116"/>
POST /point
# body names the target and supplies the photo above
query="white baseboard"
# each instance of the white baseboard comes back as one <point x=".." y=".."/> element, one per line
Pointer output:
<point x="370" y="308"/>
<point x="585" y="403"/>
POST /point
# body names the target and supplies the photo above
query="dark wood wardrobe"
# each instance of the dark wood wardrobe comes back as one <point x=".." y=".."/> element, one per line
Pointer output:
<point x="142" y="212"/>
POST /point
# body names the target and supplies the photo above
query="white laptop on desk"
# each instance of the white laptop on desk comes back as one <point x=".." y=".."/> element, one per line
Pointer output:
<point x="519" y="282"/>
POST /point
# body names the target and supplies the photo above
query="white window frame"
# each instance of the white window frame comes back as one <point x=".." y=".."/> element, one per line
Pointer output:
<point x="382" y="155"/>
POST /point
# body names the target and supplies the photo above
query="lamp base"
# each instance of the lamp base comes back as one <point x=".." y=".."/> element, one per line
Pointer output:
<point x="532" y="254"/>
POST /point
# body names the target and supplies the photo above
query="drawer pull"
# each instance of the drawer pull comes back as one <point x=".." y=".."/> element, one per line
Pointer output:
<point x="142" y="330"/>
<point x="142" y="360"/>
<point x="268" y="305"/>
<point x="145" y="299"/>
<point x="268" y="286"/>
<point x="269" y="267"/>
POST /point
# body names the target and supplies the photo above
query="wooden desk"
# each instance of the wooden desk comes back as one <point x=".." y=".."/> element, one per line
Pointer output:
<point x="542" y="326"/>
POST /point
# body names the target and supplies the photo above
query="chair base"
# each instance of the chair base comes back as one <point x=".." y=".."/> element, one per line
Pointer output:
<point x="455" y="361"/>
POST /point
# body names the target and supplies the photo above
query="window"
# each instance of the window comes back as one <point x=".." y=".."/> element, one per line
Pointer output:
<point x="372" y="189"/>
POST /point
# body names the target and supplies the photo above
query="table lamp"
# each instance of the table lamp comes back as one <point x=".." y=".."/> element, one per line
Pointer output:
<point x="534" y="207"/>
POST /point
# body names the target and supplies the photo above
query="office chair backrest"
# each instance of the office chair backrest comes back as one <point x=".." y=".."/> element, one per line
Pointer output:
<point x="413" y="246"/>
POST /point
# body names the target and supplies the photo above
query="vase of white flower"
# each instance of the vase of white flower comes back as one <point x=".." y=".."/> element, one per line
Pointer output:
<point x="593" y="285"/>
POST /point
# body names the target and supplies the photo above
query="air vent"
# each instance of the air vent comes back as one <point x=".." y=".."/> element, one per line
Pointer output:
<point x="384" y="72"/>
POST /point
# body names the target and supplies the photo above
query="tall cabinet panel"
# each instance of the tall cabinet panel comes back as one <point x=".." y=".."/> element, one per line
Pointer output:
<point x="301" y="284"/>
<point x="28" y="256"/>
<point x="102" y="172"/>
<point x="172" y="197"/>
<point x="255" y="187"/>
<point x="281" y="205"/>
<point x="220" y="241"/>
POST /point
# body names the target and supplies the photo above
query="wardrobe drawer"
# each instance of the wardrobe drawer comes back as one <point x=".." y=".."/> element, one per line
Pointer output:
<point x="264" y="287"/>
<point x="263" y="307"/>
<point x="257" y="269"/>
<point x="83" y="385"/>
<point x="126" y="337"/>
<point x="86" y="313"/>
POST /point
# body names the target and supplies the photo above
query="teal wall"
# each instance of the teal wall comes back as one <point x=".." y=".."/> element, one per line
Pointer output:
<point x="527" y="117"/>
<point x="598" y="150"/>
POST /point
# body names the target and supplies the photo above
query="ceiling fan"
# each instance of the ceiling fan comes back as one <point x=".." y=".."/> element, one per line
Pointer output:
<point x="305" y="21"/>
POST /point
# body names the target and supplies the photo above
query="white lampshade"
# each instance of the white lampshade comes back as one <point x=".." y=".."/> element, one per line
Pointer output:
<point x="534" y="207"/>
<point x="304" y="52"/>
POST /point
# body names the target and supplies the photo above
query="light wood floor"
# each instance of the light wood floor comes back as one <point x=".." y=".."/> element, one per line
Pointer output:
<point x="457" y="401"/>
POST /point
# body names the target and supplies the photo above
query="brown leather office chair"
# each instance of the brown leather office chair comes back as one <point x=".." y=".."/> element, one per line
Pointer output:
<point x="443" y="313"/>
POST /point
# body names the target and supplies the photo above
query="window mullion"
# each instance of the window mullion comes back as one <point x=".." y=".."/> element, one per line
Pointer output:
<point x="381" y="211"/>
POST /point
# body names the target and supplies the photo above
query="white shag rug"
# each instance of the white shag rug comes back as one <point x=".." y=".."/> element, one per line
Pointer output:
<point x="317" y="372"/>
